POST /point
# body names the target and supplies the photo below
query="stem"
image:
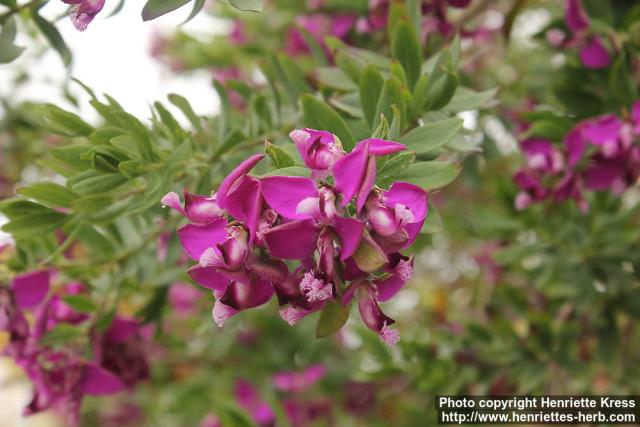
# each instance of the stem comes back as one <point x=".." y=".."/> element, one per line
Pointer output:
<point x="11" y="12"/>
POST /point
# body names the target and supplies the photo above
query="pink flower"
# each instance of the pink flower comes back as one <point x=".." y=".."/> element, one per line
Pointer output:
<point x="82" y="12"/>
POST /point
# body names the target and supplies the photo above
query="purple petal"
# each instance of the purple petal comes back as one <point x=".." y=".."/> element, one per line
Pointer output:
<point x="367" y="184"/>
<point x="201" y="209"/>
<point x="603" y="130"/>
<point x="400" y="275"/>
<point x="408" y="196"/>
<point x="245" y="204"/>
<point x="349" y="231"/>
<point x="380" y="147"/>
<point x="289" y="195"/>
<point x="241" y="295"/>
<point x="370" y="313"/>
<point x="594" y="55"/>
<point x="603" y="175"/>
<point x="222" y="312"/>
<point x="121" y="329"/>
<point x="298" y="382"/>
<point x="292" y="315"/>
<point x="412" y="230"/>
<point x="576" y="16"/>
<point x="293" y="240"/>
<point x="241" y="170"/>
<point x="196" y="238"/>
<point x="348" y="173"/>
<point x="251" y="402"/>
<point x="576" y="145"/>
<point x="208" y="277"/>
<point x="98" y="381"/>
<point x="30" y="289"/>
<point x="172" y="200"/>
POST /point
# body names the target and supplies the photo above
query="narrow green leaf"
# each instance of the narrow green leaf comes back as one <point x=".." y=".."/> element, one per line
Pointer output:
<point x="290" y="171"/>
<point x="432" y="136"/>
<point x="466" y="99"/>
<point x="8" y="50"/>
<point x="406" y="49"/>
<point x="430" y="175"/>
<point x="281" y="159"/>
<point x="248" y="5"/>
<point x="441" y="91"/>
<point x="49" y="193"/>
<point x="371" y="83"/>
<point x="35" y="224"/>
<point x="391" y="94"/>
<point x="319" y="115"/>
<point x="156" y="8"/>
<point x="53" y="36"/>
<point x="197" y="7"/>
<point x="332" y="319"/>
<point x="98" y="183"/>
<point x="80" y="303"/>
<point x="61" y="334"/>
<point x="183" y="104"/>
<point x="433" y="222"/>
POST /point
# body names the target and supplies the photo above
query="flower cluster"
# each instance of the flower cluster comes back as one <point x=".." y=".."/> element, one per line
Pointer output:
<point x="599" y="154"/>
<point x="308" y="240"/>
<point x="61" y="376"/>
<point x="591" y="50"/>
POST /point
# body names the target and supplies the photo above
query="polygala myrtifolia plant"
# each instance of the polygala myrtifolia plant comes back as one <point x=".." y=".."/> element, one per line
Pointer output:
<point x="321" y="222"/>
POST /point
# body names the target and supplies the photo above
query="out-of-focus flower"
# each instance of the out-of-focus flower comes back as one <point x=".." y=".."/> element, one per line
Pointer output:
<point x="299" y="381"/>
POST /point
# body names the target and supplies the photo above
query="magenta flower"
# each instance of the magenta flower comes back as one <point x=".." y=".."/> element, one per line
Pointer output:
<point x="183" y="298"/>
<point x="30" y="288"/>
<point x="336" y="224"/>
<point x="198" y="209"/>
<point x="249" y="399"/>
<point x="318" y="26"/>
<point x="82" y="12"/>
<point x="319" y="150"/>
<point x="299" y="381"/>
<point x="593" y="54"/>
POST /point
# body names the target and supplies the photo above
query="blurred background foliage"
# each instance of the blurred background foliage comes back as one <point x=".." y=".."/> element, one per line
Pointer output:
<point x="543" y="300"/>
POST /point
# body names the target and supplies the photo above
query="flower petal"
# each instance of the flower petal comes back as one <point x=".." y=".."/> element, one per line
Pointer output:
<point x="293" y="240"/>
<point x="241" y="295"/>
<point x="410" y="196"/>
<point x="594" y="55"/>
<point x="196" y="238"/>
<point x="349" y="231"/>
<point x="208" y="277"/>
<point x="228" y="183"/>
<point x="381" y="147"/>
<point x="286" y="193"/>
<point x="370" y="313"/>
<point x="30" y="289"/>
<point x="97" y="381"/>
<point x="366" y="186"/>
<point x="201" y="209"/>
<point x="348" y="173"/>
<point x="400" y="275"/>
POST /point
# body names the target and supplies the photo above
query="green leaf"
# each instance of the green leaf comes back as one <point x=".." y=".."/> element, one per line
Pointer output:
<point x="197" y="7"/>
<point x="319" y="115"/>
<point x="80" y="303"/>
<point x="98" y="183"/>
<point x="8" y="50"/>
<point x="433" y="222"/>
<point x="621" y="82"/>
<point x="419" y="96"/>
<point x="371" y="82"/>
<point x="406" y="49"/>
<point x="332" y="318"/>
<point x="391" y="95"/>
<point x="290" y="171"/>
<point x="183" y="104"/>
<point x="281" y="159"/>
<point x="335" y="78"/>
<point x="432" y="135"/>
<point x="316" y="49"/>
<point x="156" y="8"/>
<point x="248" y="5"/>
<point x="292" y="77"/>
<point x="430" y="175"/>
<point x="369" y="257"/>
<point x="53" y="36"/>
<point x="441" y="91"/>
<point x="382" y="131"/>
<point x="35" y="224"/>
<point x="60" y="121"/>
<point x="466" y="99"/>
<point x="392" y="166"/>
<point x="61" y="334"/>
<point x="49" y="193"/>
